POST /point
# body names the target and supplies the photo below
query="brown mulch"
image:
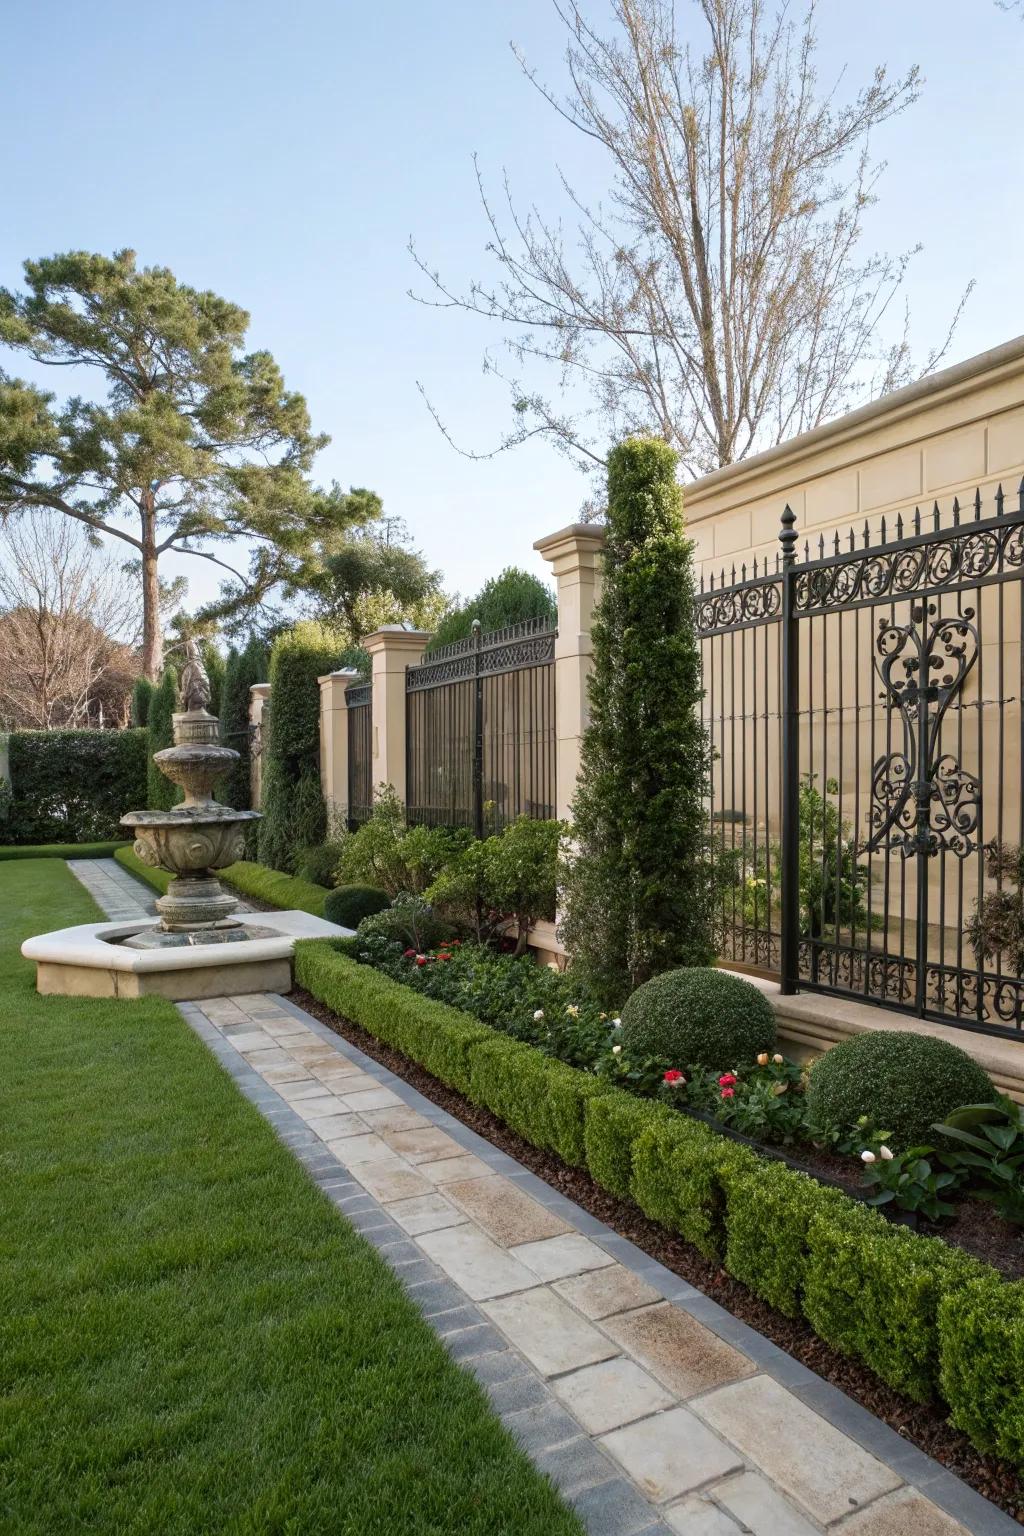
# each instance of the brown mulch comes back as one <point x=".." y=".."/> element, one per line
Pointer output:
<point x="922" y="1424"/>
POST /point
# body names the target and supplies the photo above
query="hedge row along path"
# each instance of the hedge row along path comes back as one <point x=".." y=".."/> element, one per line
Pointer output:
<point x="653" y="1410"/>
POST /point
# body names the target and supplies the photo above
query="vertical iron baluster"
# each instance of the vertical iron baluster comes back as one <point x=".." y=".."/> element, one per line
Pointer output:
<point x="790" y="872"/>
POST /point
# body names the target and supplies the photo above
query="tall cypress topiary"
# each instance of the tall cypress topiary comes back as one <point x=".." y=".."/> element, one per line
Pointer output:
<point x="142" y="692"/>
<point x="637" y="893"/>
<point x="294" y="813"/>
<point x="161" y="793"/>
<point x="243" y="669"/>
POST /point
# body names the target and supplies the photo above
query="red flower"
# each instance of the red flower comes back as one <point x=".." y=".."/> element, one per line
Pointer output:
<point x="421" y="959"/>
<point x="728" y="1093"/>
<point x="727" y="1079"/>
<point x="409" y="954"/>
<point x="672" y="1075"/>
<point x="456" y="943"/>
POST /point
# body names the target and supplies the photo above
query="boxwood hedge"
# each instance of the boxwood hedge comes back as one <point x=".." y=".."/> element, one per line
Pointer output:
<point x="72" y="786"/>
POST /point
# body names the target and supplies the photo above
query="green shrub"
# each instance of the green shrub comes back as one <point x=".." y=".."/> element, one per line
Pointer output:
<point x="73" y="786"/>
<point x="243" y="669"/>
<point x="61" y="851"/>
<point x="568" y="1096"/>
<point x="638" y="887"/>
<point x="349" y="904"/>
<point x="294" y="813"/>
<point x="510" y="598"/>
<point x="142" y="692"/>
<point x="981" y="1347"/>
<point x="873" y="1291"/>
<point x="679" y="1169"/>
<point x="905" y="1083"/>
<point x="768" y="1212"/>
<point x="159" y="879"/>
<point x="698" y="1016"/>
<point x="161" y="794"/>
<point x="408" y="921"/>
<point x="511" y="877"/>
<point x="287" y="892"/>
<point x="372" y="855"/>
<point x="319" y="864"/>
<point x="614" y="1122"/>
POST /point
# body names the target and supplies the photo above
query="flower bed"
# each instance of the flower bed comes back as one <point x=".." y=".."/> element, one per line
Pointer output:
<point x="929" y="1320"/>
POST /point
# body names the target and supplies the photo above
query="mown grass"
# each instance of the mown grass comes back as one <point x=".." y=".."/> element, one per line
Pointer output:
<point x="191" y="1338"/>
<point x="59" y="850"/>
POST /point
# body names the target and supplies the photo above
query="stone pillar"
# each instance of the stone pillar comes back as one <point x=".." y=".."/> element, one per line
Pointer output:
<point x="259" y="698"/>
<point x="334" y="744"/>
<point x="575" y="557"/>
<point x="392" y="648"/>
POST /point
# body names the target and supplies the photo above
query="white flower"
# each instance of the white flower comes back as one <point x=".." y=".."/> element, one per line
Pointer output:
<point x="886" y="1154"/>
<point x="616" y="1050"/>
<point x="867" y="1157"/>
<point x="616" y="1023"/>
<point x="778" y="1060"/>
<point x="538" y="1015"/>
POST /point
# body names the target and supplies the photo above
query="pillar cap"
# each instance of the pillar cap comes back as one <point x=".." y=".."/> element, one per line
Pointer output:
<point x="261" y="690"/>
<point x="589" y="537"/>
<point x="341" y="672"/>
<point x="395" y="637"/>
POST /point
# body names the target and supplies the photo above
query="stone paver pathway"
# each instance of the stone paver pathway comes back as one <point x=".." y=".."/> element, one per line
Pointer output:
<point x="652" y="1409"/>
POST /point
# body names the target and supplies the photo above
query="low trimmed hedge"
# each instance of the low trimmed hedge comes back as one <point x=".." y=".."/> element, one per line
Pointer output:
<point x="269" y="885"/>
<point x="929" y="1320"/>
<point x="60" y="851"/>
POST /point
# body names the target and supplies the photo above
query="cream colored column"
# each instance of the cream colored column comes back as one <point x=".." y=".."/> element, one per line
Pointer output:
<point x="259" y="695"/>
<point x="392" y="648"/>
<point x="575" y="554"/>
<point x="334" y="743"/>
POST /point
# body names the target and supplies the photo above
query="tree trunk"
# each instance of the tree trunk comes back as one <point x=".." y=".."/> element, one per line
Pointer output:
<point x="152" y="639"/>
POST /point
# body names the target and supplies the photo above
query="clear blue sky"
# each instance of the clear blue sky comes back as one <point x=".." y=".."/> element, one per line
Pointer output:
<point x="282" y="155"/>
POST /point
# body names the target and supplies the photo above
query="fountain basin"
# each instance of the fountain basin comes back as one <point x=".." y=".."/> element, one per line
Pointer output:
<point x="97" y="959"/>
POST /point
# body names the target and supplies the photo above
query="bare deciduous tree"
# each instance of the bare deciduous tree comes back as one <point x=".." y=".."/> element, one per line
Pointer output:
<point x="720" y="298"/>
<point x="69" y="626"/>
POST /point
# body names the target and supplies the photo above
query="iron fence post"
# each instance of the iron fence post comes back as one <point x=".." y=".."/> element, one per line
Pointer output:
<point x="790" y="705"/>
<point x="478" y="734"/>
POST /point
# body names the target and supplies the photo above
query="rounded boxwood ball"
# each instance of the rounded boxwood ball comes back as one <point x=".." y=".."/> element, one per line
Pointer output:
<point x="349" y="904"/>
<point x="905" y="1083"/>
<point x="698" y="1017"/>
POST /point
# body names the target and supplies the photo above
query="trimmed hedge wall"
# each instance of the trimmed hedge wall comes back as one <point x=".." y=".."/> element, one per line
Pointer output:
<point x="72" y="786"/>
<point x="928" y="1319"/>
<point x="61" y="851"/>
<point x="277" y="890"/>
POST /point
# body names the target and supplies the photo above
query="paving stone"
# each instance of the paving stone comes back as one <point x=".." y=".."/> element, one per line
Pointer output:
<point x="541" y="1428"/>
<point x="517" y="1393"/>
<point x="504" y="1211"/>
<point x="426" y="1213"/>
<point x="371" y="1098"/>
<point x="553" y="1258"/>
<point x="550" y="1334"/>
<point x="900" y="1514"/>
<point x="366" y="1149"/>
<point x="482" y="1339"/>
<point x="476" y="1263"/>
<point x="246" y="1040"/>
<point x="613" y="1509"/>
<point x="309" y="1088"/>
<point x="826" y="1472"/>
<point x="334" y="1127"/>
<point x="387" y="1183"/>
<point x="294" y="1074"/>
<point x="762" y="1509"/>
<point x="439" y="1296"/>
<point x="423" y="1145"/>
<point x="670" y="1454"/>
<point x="283" y="1028"/>
<point x="448" y="1170"/>
<point x="575" y="1466"/>
<point x="606" y="1396"/>
<point x="267" y="1058"/>
<point x="500" y="1365"/>
<point x="604" y="1291"/>
<point x="458" y="1319"/>
<point x="697" y="1516"/>
<point x="404" y="1119"/>
<point x="684" y="1355"/>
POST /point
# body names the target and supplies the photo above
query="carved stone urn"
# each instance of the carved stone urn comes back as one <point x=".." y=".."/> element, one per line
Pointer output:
<point x="198" y="836"/>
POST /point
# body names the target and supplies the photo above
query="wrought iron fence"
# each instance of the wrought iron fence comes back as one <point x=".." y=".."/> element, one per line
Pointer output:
<point x="864" y="707"/>
<point x="358" y="699"/>
<point x="480" y="730"/>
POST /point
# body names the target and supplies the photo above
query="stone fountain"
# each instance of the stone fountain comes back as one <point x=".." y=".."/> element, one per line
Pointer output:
<point x="200" y="947"/>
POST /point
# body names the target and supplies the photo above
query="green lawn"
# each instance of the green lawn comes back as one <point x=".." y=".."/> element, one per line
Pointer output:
<point x="191" y="1338"/>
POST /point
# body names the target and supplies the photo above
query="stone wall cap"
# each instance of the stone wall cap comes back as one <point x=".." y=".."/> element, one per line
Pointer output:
<point x="261" y="690"/>
<point x="396" y="636"/>
<point x="341" y="672"/>
<point x="575" y="533"/>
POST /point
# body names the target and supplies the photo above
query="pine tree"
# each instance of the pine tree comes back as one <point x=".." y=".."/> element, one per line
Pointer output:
<point x="637" y="891"/>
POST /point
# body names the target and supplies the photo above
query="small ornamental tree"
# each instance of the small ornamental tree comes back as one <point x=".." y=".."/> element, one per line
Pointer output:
<point x="294" y="813"/>
<point x="637" y="886"/>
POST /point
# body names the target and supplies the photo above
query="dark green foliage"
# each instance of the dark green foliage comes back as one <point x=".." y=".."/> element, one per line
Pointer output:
<point x="388" y="853"/>
<point x="161" y="793"/>
<point x="243" y="669"/>
<point x="510" y="598"/>
<point x="872" y="1290"/>
<point x="193" y="1339"/>
<point x="61" y="851"/>
<point x="639" y="888"/>
<point x="349" y="904"/>
<point x="319" y="864"/>
<point x="408" y="921"/>
<point x="995" y="928"/>
<point x="294" y="814"/>
<point x="904" y="1082"/>
<point x="213" y="661"/>
<point x="614" y="1121"/>
<point x="768" y="1212"/>
<point x="698" y="1016"/>
<point x="142" y="692"/>
<point x="507" y="879"/>
<point x="981" y="1344"/>
<point x="679" y="1173"/>
<point x="72" y="786"/>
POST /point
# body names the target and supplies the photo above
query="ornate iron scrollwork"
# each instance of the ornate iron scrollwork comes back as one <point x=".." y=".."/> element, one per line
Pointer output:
<point x="922" y="800"/>
<point x="735" y="606"/>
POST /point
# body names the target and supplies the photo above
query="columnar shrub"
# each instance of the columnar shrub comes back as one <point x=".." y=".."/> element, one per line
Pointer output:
<point x="161" y="793"/>
<point x="142" y="692"/>
<point x="73" y="786"/>
<point x="637" y="890"/>
<point x="243" y="669"/>
<point x="294" y="814"/>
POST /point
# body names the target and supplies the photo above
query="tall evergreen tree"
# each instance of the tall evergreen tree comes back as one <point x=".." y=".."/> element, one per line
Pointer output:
<point x="161" y="793"/>
<point x="509" y="598"/>
<point x="294" y="812"/>
<point x="637" y="890"/>
<point x="243" y="669"/>
<point x="196" y="443"/>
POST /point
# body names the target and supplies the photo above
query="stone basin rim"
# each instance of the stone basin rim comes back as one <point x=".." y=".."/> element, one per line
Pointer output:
<point x="188" y="815"/>
<point x="96" y="946"/>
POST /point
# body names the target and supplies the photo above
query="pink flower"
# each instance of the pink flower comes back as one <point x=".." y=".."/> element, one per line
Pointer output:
<point x="727" y="1079"/>
<point x="409" y="953"/>
<point x="728" y="1093"/>
<point x="673" y="1076"/>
